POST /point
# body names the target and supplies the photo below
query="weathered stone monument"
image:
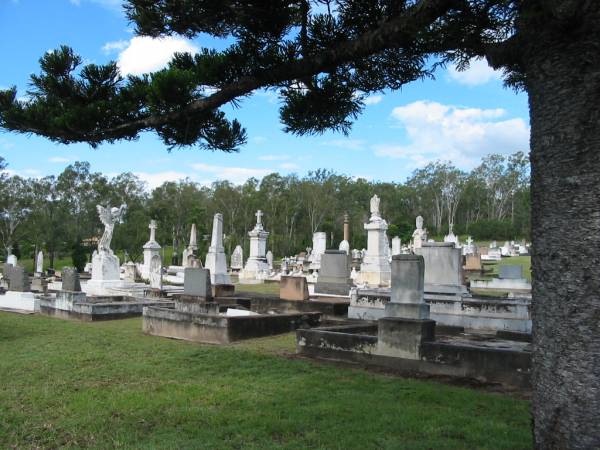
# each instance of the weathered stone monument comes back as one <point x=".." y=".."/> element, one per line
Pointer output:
<point x="70" y="280"/>
<point x="269" y="257"/>
<point x="334" y="276"/>
<point x="375" y="267"/>
<point x="407" y="298"/>
<point x="12" y="260"/>
<point x="39" y="263"/>
<point x="443" y="267"/>
<point x="345" y="247"/>
<point x="451" y="237"/>
<point x="318" y="248"/>
<point x="237" y="259"/>
<point x="216" y="261"/>
<point x="256" y="265"/>
<point x="151" y="249"/>
<point x="293" y="288"/>
<point x="155" y="273"/>
<point x="190" y="253"/>
<point x="105" y="264"/>
<point x="420" y="234"/>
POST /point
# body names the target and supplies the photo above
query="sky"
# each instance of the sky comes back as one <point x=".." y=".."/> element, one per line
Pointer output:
<point x="458" y="117"/>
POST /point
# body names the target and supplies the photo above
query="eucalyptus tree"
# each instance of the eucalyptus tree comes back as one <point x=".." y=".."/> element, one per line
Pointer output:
<point x="322" y="61"/>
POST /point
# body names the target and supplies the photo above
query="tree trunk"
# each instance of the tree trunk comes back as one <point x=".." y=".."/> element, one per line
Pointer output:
<point x="563" y="82"/>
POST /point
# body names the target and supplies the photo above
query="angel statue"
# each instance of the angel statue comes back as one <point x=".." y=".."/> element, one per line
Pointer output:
<point x="109" y="216"/>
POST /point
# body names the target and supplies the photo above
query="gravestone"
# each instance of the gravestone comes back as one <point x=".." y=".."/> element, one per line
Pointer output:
<point x="510" y="272"/>
<point x="293" y="288"/>
<point x="12" y="260"/>
<point x="237" y="259"/>
<point x="151" y="249"/>
<point x="334" y="276"/>
<point x="318" y="249"/>
<point x="155" y="272"/>
<point x="420" y="234"/>
<point x="396" y="246"/>
<point x="375" y="265"/>
<point x="39" y="263"/>
<point x="269" y="257"/>
<point x="407" y="298"/>
<point x="443" y="267"/>
<point x="196" y="282"/>
<point x="216" y="261"/>
<point x="473" y="263"/>
<point x="256" y="264"/>
<point x="18" y="279"/>
<point x="70" y="280"/>
<point x="345" y="247"/>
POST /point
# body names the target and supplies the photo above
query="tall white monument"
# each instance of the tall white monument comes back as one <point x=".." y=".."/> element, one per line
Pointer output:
<point x="216" y="260"/>
<point x="151" y="249"/>
<point x="375" y="269"/>
<point x="256" y="265"/>
<point x="39" y="263"/>
<point x="105" y="264"/>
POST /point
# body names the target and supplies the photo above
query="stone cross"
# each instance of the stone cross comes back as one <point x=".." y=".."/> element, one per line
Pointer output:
<point x="469" y="241"/>
<point x="152" y="227"/>
<point x="259" y="215"/>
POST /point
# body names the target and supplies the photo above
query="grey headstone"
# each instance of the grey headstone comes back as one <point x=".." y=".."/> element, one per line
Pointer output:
<point x="443" y="263"/>
<point x="18" y="280"/>
<point x="70" y="280"/>
<point x="511" y="272"/>
<point x="196" y="281"/>
<point x="334" y="275"/>
<point x="408" y="279"/>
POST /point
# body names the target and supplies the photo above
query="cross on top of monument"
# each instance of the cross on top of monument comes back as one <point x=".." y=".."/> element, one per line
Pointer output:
<point x="152" y="227"/>
<point x="259" y="215"/>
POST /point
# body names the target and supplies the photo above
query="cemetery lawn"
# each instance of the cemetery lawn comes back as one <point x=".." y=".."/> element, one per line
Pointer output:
<point x="106" y="385"/>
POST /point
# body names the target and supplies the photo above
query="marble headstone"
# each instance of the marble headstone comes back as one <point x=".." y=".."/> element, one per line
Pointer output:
<point x="70" y="280"/>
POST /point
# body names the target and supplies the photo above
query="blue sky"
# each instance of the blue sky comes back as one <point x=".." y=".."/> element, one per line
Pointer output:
<point x="458" y="117"/>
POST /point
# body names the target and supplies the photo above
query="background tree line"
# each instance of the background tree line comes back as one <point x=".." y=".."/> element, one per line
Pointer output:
<point x="58" y="213"/>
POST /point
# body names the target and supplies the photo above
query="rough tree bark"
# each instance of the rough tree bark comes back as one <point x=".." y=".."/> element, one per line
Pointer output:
<point x="563" y="82"/>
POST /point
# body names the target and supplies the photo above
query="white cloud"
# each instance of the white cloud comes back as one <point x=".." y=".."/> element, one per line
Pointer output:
<point x="274" y="157"/>
<point x="289" y="166"/>
<point x="145" y="54"/>
<point x="115" y="46"/>
<point x="479" y="72"/>
<point x="156" y="179"/>
<point x="58" y="159"/>
<point x="351" y="144"/>
<point x="236" y="175"/>
<point x="372" y="99"/>
<point x="462" y="135"/>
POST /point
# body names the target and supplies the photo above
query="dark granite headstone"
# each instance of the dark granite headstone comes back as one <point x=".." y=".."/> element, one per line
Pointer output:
<point x="511" y="272"/>
<point x="334" y="275"/>
<point x="18" y="279"/>
<point x="70" y="280"/>
<point x="196" y="282"/>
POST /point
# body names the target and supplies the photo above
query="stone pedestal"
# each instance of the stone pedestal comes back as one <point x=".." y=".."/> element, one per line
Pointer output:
<point x="407" y="298"/>
<point x="293" y="288"/>
<point x="375" y="267"/>
<point x="403" y="338"/>
<point x="216" y="260"/>
<point x="105" y="274"/>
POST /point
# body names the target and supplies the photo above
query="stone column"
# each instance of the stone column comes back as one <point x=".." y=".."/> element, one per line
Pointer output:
<point x="346" y="227"/>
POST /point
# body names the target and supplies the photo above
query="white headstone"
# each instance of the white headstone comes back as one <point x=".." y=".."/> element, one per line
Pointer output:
<point x="237" y="258"/>
<point x="396" y="246"/>
<point x="256" y="264"/>
<point x="269" y="257"/>
<point x="156" y="272"/>
<point x="375" y="268"/>
<point x="193" y="245"/>
<point x="345" y="247"/>
<point x="39" y="262"/>
<point x="318" y="249"/>
<point x="420" y="234"/>
<point x="12" y="259"/>
<point x="216" y="261"/>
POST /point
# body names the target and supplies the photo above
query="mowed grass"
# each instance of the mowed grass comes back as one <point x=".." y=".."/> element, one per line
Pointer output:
<point x="106" y="385"/>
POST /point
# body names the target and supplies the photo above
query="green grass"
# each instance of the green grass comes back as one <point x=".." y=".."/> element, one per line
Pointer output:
<point x="524" y="261"/>
<point x="59" y="263"/>
<point x="262" y="288"/>
<point x="106" y="385"/>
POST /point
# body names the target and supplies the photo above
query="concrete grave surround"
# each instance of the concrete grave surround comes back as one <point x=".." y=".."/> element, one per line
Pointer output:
<point x="256" y="265"/>
<point x="216" y="261"/>
<point x="334" y="276"/>
<point x="375" y="267"/>
<point x="105" y="264"/>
